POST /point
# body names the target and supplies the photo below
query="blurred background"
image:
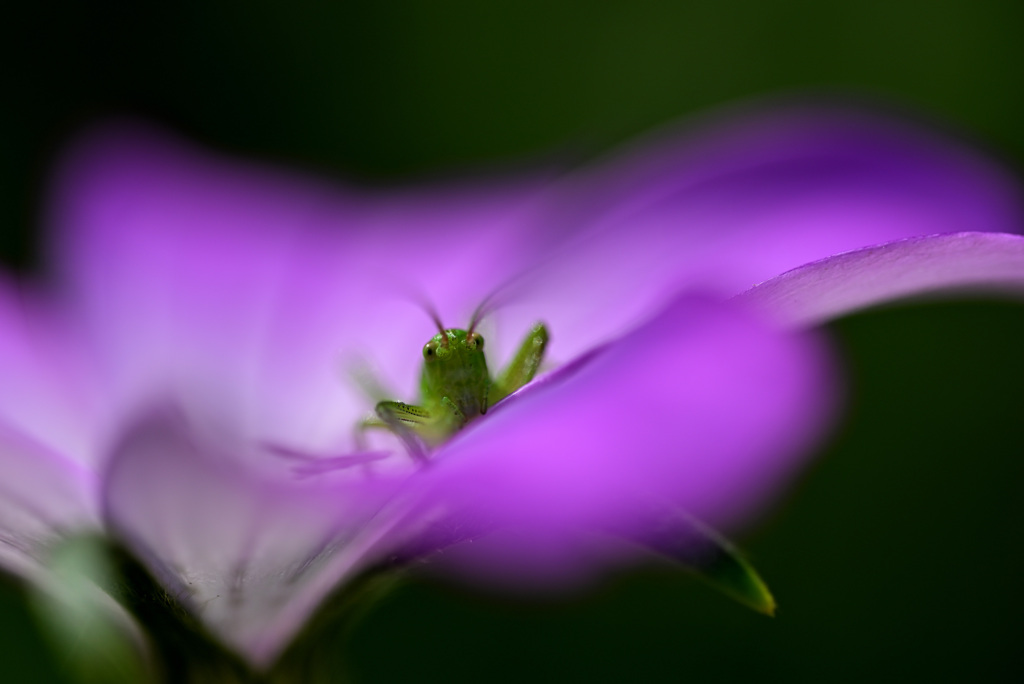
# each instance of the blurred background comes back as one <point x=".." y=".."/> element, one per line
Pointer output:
<point x="897" y="557"/>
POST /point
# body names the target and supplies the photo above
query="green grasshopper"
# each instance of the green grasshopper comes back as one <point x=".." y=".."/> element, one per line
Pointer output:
<point x="456" y="387"/>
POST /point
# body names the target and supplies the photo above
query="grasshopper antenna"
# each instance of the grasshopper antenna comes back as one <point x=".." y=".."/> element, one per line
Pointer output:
<point x="440" y="326"/>
<point x="413" y="295"/>
<point x="432" y="312"/>
<point x="477" y="316"/>
<point x="486" y="306"/>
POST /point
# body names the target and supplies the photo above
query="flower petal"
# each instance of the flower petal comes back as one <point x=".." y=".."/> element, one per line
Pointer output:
<point x="49" y="393"/>
<point x="704" y="405"/>
<point x="49" y="431"/>
<point x="722" y="206"/>
<point x="250" y="556"/>
<point x="44" y="497"/>
<point x="251" y="291"/>
<point x="925" y="266"/>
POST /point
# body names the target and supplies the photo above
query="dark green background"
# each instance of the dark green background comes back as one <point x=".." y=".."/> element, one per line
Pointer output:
<point x="898" y="557"/>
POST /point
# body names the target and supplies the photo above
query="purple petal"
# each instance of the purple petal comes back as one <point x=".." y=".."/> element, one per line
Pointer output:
<point x="44" y="497"/>
<point x="49" y="393"/>
<point x="728" y="204"/>
<point x="249" y="293"/>
<point x="704" y="406"/>
<point x="926" y="266"/>
<point x="251" y="556"/>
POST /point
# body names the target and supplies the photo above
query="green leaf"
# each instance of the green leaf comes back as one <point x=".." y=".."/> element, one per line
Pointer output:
<point x="93" y="636"/>
<point x="692" y="544"/>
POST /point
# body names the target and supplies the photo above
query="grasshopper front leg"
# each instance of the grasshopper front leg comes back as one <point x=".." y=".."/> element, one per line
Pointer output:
<point x="451" y="420"/>
<point x="523" y="366"/>
<point x="416" y="425"/>
<point x="405" y="421"/>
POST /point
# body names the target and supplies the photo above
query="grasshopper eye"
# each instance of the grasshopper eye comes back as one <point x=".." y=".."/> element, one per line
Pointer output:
<point x="475" y="341"/>
<point x="429" y="351"/>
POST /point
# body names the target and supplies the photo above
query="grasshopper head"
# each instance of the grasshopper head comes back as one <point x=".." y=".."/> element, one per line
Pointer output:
<point x="454" y="366"/>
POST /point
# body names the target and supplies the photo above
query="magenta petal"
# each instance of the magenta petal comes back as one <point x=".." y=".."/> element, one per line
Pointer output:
<point x="48" y="391"/>
<point x="249" y="293"/>
<point x="733" y="202"/>
<point x="704" y="406"/>
<point x="44" y="497"/>
<point x="926" y="266"/>
<point x="251" y="556"/>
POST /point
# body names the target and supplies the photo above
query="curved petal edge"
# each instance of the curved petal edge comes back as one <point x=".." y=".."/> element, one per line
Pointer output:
<point x="961" y="262"/>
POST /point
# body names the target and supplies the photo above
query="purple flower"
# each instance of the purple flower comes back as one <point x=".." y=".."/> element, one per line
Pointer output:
<point x="182" y="381"/>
